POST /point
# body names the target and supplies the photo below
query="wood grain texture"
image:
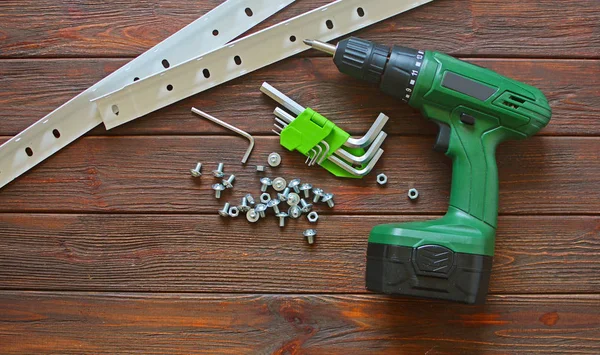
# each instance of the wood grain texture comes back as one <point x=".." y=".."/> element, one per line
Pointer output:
<point x="541" y="175"/>
<point x="481" y="27"/>
<point x="76" y="323"/>
<point x="174" y="253"/>
<point x="30" y="89"/>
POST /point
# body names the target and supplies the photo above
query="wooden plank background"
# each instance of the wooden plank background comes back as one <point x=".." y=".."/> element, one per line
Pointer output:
<point x="110" y="247"/>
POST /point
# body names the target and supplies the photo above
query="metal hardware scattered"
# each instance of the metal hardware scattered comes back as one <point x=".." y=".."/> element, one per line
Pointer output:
<point x="295" y="212"/>
<point x="265" y="197"/>
<point x="228" y="183"/>
<point x="328" y="198"/>
<point x="310" y="235"/>
<point x="295" y="184"/>
<point x="234" y="212"/>
<point x="243" y="207"/>
<point x="197" y="172"/>
<point x="382" y="179"/>
<point x="231" y="128"/>
<point x="279" y="184"/>
<point x="313" y="217"/>
<point x="274" y="204"/>
<point x="265" y="182"/>
<point x="250" y="199"/>
<point x="282" y="216"/>
<point x="283" y="196"/>
<point x="219" y="172"/>
<point x="218" y="189"/>
<point x="260" y="168"/>
<point x="274" y="160"/>
<point x="306" y="189"/>
<point x="318" y="193"/>
<point x="252" y="216"/>
<point x="261" y="208"/>
<point x="225" y="211"/>
<point x="413" y="194"/>
<point x="293" y="199"/>
<point x="306" y="207"/>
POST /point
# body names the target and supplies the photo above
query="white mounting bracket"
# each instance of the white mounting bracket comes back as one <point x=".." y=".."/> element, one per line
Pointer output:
<point x="78" y="116"/>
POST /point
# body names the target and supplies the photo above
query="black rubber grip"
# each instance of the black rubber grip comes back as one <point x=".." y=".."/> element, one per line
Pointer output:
<point x="361" y="59"/>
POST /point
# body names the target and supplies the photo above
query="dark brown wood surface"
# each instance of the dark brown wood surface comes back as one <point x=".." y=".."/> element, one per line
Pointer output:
<point x="111" y="247"/>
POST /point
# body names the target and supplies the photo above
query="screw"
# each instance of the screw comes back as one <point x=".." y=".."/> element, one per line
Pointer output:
<point x="261" y="208"/>
<point x="295" y="212"/>
<point x="282" y="216"/>
<point x="225" y="211"/>
<point x="274" y="204"/>
<point x="283" y="196"/>
<point x="198" y="171"/>
<point x="294" y="185"/>
<point x="306" y="188"/>
<point x="244" y="206"/>
<point x="310" y="235"/>
<point x="266" y="182"/>
<point x="318" y="193"/>
<point x="250" y="199"/>
<point x="252" y="216"/>
<point x="279" y="184"/>
<point x="218" y="188"/>
<point x="274" y="160"/>
<point x="329" y="199"/>
<point x="229" y="182"/>
<point x="219" y="172"/>
<point x="306" y="207"/>
<point x="293" y="199"/>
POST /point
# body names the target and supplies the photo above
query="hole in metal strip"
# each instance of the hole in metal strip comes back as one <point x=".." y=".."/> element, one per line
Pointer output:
<point x="170" y="87"/>
<point x="29" y="151"/>
<point x="329" y="24"/>
<point x="166" y="63"/>
<point x="249" y="12"/>
<point x="238" y="60"/>
<point x="206" y="73"/>
<point x="115" y="110"/>
<point x="360" y="11"/>
<point x="56" y="133"/>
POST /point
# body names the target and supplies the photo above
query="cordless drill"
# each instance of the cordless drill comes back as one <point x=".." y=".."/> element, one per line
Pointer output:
<point x="476" y="109"/>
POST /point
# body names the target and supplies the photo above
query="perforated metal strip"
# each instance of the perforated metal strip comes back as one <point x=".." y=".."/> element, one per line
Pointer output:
<point x="72" y="120"/>
<point x="245" y="55"/>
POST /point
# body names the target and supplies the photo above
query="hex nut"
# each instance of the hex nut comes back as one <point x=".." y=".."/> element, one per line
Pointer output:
<point x="313" y="217"/>
<point x="274" y="160"/>
<point x="234" y="212"/>
<point x="265" y="197"/>
<point x="413" y="194"/>
<point x="382" y="179"/>
<point x="279" y="184"/>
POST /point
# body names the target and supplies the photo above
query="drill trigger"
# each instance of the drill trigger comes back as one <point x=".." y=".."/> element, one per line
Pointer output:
<point x="442" y="143"/>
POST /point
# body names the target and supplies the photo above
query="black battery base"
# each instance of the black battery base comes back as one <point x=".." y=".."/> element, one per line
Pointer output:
<point x="430" y="271"/>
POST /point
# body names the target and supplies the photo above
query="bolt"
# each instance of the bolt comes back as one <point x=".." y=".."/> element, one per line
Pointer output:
<point x="294" y="184"/>
<point x="282" y="216"/>
<point x="295" y="212"/>
<point x="318" y="193"/>
<point x="252" y="216"/>
<point x="218" y="188"/>
<point x="329" y="199"/>
<point x="306" y="207"/>
<point x="283" y="196"/>
<point x="250" y="199"/>
<point x="266" y="182"/>
<point x="244" y="206"/>
<point x="274" y="160"/>
<point x="279" y="184"/>
<point x="293" y="199"/>
<point x="225" y="211"/>
<point x="229" y="182"/>
<point x="219" y="172"/>
<point x="310" y="235"/>
<point x="306" y="188"/>
<point x="198" y="171"/>
<point x="261" y="208"/>
<point x="274" y="204"/>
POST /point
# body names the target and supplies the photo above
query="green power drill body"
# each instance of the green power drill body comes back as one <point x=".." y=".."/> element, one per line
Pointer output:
<point x="476" y="109"/>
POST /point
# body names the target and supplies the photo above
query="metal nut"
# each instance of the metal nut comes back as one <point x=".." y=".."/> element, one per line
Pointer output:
<point x="274" y="160"/>
<point x="260" y="168"/>
<point x="413" y="194"/>
<point x="382" y="179"/>
<point x="279" y="184"/>
<point x="265" y="197"/>
<point x="234" y="212"/>
<point x="313" y="217"/>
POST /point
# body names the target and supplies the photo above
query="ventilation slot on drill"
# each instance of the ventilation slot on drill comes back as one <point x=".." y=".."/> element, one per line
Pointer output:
<point x="514" y="102"/>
